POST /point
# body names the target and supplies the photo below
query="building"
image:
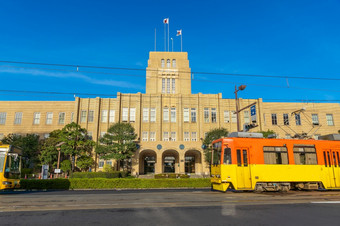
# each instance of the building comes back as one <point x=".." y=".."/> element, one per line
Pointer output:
<point x="170" y="121"/>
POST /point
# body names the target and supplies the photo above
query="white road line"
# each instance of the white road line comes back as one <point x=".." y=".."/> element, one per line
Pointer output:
<point x="326" y="202"/>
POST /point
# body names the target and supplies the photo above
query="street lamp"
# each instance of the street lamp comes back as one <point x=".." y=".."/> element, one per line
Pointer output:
<point x="240" y="88"/>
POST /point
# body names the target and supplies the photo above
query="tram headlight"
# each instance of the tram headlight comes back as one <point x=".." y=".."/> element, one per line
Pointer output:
<point x="6" y="183"/>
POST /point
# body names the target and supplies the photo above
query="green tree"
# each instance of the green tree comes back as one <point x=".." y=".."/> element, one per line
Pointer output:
<point x="84" y="162"/>
<point x="118" y="143"/>
<point x="266" y="133"/>
<point x="65" y="166"/>
<point x="75" y="142"/>
<point x="49" y="150"/>
<point x="210" y="137"/>
<point x="29" y="145"/>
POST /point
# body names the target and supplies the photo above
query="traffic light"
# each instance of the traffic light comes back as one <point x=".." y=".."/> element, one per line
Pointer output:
<point x="247" y="126"/>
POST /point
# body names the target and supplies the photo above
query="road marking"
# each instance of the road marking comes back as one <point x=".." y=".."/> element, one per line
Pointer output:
<point x="327" y="202"/>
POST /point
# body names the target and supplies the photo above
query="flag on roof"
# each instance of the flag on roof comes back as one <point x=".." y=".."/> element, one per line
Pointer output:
<point x="166" y="21"/>
<point x="179" y="32"/>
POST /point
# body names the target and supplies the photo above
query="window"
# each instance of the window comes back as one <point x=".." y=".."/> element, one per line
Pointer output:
<point x="1" y="137"/>
<point x="173" y="114"/>
<point x="329" y="118"/>
<point x="288" y="136"/>
<point x="36" y="118"/>
<point x="102" y="134"/>
<point x="72" y="115"/>
<point x="112" y="116"/>
<point x="227" y="156"/>
<point x="298" y="119"/>
<point x="132" y="114"/>
<point x="3" y="116"/>
<point x="125" y="114"/>
<point x="62" y="117"/>
<point x="226" y="117"/>
<point x="186" y="115"/>
<point x="162" y="63"/>
<point x="17" y="118"/>
<point x="166" y="114"/>
<point x="206" y="114"/>
<point x="193" y="136"/>
<point x="90" y="116"/>
<point x="145" y="136"/>
<point x="168" y="85"/>
<point x="173" y="136"/>
<point x="173" y="63"/>
<point x="163" y="85"/>
<point x="46" y="135"/>
<point x="274" y="119"/>
<point x="145" y="114"/>
<point x="89" y="135"/>
<point x="275" y="155"/>
<point x="109" y="163"/>
<point x="213" y="115"/>
<point x="233" y="117"/>
<point x="104" y="116"/>
<point x="315" y="119"/>
<point x="153" y="115"/>
<point x="152" y="136"/>
<point x="285" y="120"/>
<point x="186" y="136"/>
<point x="168" y="63"/>
<point x="82" y="116"/>
<point x="173" y="85"/>
<point x="49" y="118"/>
<point x="246" y="117"/>
<point x="264" y="118"/>
<point x="101" y="164"/>
<point x="193" y="114"/>
<point x="305" y="155"/>
<point x="165" y="136"/>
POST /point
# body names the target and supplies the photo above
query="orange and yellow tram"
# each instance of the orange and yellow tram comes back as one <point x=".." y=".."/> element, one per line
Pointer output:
<point x="261" y="164"/>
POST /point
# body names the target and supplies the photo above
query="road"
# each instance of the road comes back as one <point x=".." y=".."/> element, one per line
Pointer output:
<point x="169" y="207"/>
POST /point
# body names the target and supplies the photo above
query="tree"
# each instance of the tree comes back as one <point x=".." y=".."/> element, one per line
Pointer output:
<point x="49" y="151"/>
<point x="29" y="145"/>
<point x="84" y="162"/>
<point x="210" y="137"/>
<point x="118" y="143"/>
<point x="75" y="142"/>
<point x="266" y="133"/>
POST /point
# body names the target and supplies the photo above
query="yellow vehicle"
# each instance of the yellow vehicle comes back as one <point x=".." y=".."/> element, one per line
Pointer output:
<point x="10" y="166"/>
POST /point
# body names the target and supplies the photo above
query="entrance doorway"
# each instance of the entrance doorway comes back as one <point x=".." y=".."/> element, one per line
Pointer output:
<point x="169" y="164"/>
<point x="189" y="164"/>
<point x="149" y="164"/>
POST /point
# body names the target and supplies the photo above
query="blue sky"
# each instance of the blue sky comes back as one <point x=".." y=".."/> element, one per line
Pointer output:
<point x="276" y="38"/>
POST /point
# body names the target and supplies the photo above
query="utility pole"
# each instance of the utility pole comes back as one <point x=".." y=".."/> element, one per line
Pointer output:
<point x="241" y="87"/>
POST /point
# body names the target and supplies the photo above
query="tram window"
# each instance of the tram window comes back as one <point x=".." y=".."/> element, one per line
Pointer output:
<point x="334" y="159"/>
<point x="337" y="154"/>
<point x="329" y="158"/>
<point x="325" y="158"/>
<point x="275" y="155"/>
<point x="239" y="161"/>
<point x="227" y="156"/>
<point x="217" y="148"/>
<point x="245" y="158"/>
<point x="305" y="155"/>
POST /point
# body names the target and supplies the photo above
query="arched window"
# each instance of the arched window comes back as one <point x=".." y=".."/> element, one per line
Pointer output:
<point x="162" y="63"/>
<point x="168" y="63"/>
<point x="173" y="63"/>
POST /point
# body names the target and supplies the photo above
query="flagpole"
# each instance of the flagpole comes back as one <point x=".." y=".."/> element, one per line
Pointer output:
<point x="164" y="37"/>
<point x="155" y="39"/>
<point x="181" y="41"/>
<point x="168" y="34"/>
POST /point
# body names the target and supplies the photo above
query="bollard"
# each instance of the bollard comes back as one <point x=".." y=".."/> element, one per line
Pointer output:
<point x="39" y="176"/>
<point x="51" y="176"/>
<point x="25" y="176"/>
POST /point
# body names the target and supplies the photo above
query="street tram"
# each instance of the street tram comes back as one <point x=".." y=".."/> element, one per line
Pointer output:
<point x="247" y="161"/>
<point x="10" y="166"/>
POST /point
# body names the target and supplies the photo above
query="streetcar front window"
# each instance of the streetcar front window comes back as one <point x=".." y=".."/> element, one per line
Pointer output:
<point x="2" y="161"/>
<point x="13" y="165"/>
<point x="227" y="156"/>
<point x="216" y="153"/>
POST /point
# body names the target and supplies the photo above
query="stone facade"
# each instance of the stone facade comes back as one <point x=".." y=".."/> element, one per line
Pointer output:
<point x="169" y="120"/>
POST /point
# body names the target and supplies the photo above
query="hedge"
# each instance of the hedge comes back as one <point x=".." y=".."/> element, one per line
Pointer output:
<point x="45" y="184"/>
<point x="115" y="174"/>
<point x="170" y="175"/>
<point x="115" y="183"/>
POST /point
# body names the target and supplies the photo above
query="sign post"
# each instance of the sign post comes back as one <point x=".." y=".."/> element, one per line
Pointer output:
<point x="253" y="113"/>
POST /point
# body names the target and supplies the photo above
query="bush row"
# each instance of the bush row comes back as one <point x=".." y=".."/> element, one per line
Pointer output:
<point x="104" y="183"/>
<point x="115" y="174"/>
<point x="170" y="175"/>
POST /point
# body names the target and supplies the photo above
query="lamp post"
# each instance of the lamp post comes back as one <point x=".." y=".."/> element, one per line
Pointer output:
<point x="241" y="87"/>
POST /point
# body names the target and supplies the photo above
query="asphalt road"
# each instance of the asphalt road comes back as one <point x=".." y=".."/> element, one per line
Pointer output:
<point x="168" y="207"/>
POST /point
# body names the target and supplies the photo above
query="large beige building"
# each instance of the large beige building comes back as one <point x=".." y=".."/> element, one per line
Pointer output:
<point x="170" y="121"/>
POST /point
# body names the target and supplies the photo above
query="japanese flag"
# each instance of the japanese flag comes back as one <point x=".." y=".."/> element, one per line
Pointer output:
<point x="166" y="21"/>
<point x="179" y="32"/>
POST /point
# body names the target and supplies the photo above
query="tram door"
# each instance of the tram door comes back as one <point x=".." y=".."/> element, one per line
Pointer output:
<point x="243" y="169"/>
<point x="332" y="165"/>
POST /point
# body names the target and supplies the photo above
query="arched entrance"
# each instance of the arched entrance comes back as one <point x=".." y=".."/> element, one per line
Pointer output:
<point x="193" y="161"/>
<point x="170" y="161"/>
<point x="147" y="161"/>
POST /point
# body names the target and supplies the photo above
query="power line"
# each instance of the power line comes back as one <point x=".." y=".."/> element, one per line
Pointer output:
<point x="141" y="69"/>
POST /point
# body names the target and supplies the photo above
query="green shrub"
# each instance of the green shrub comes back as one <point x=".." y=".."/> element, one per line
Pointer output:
<point x="103" y="183"/>
<point x="113" y="174"/>
<point x="26" y="171"/>
<point x="45" y="184"/>
<point x="170" y="175"/>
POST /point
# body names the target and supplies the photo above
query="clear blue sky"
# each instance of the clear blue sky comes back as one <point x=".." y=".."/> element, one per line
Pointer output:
<point x="279" y="38"/>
